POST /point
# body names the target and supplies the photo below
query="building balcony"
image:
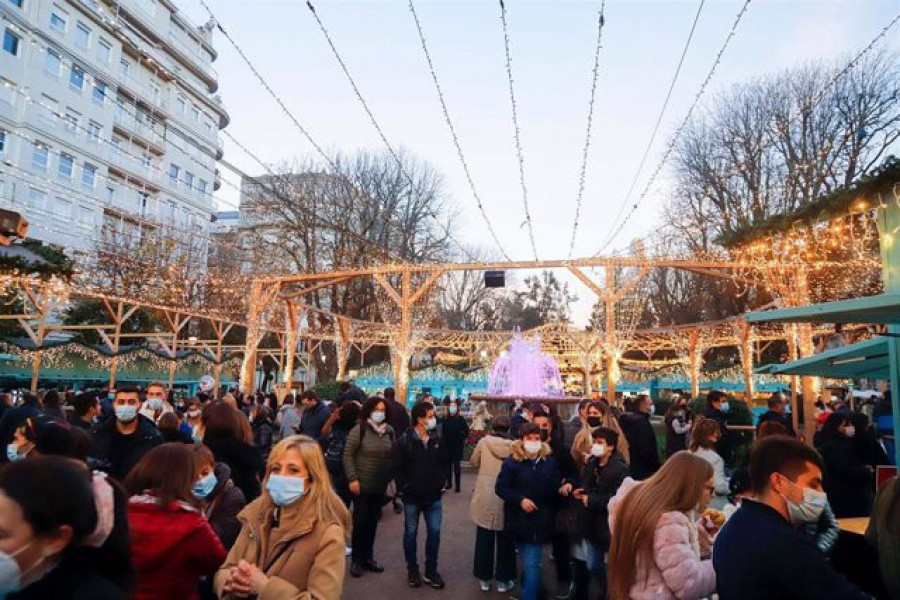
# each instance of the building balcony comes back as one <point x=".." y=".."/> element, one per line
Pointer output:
<point x="131" y="126"/>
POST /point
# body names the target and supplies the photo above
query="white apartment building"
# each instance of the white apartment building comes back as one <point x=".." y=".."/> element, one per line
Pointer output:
<point x="108" y="118"/>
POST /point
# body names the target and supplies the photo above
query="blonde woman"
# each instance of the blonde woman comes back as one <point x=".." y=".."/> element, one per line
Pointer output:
<point x="597" y="414"/>
<point x="291" y="543"/>
<point x="703" y="444"/>
<point x="656" y="540"/>
<point x="480" y="416"/>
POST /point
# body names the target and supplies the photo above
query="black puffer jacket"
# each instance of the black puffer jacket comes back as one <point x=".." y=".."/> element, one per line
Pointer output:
<point x="116" y="454"/>
<point x="72" y="579"/>
<point x="538" y="480"/>
<point x="223" y="505"/>
<point x="420" y="469"/>
<point x="600" y="484"/>
<point x="455" y="430"/>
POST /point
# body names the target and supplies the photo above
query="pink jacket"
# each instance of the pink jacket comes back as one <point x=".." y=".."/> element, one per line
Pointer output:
<point x="677" y="571"/>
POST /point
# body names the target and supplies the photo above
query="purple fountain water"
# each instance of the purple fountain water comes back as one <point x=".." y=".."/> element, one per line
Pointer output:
<point x="525" y="371"/>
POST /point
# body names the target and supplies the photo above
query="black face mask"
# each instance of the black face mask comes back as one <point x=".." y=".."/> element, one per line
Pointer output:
<point x="545" y="435"/>
<point x="593" y="421"/>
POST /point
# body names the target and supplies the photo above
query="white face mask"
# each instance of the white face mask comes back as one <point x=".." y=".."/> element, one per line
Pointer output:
<point x="652" y="409"/>
<point x="532" y="446"/>
<point x="431" y="423"/>
<point x="598" y="450"/>
<point x="850" y="431"/>
<point x="11" y="574"/>
<point x="809" y="509"/>
<point x="724" y="406"/>
<point x="377" y="417"/>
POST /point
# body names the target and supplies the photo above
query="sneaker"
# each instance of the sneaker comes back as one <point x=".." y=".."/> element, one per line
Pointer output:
<point x="434" y="580"/>
<point x="505" y="586"/>
<point x="356" y="568"/>
<point x="485" y="586"/>
<point x="371" y="565"/>
<point x="414" y="578"/>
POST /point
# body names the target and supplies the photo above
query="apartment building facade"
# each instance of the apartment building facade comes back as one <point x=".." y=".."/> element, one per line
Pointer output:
<point x="109" y="119"/>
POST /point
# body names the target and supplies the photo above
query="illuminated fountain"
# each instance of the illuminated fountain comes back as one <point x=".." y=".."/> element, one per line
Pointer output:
<point x="525" y="371"/>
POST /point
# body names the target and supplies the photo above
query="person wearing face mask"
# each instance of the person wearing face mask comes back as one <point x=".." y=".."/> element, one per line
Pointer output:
<point x="641" y="439"/>
<point x="849" y="482"/>
<point x="597" y="414"/>
<point x="156" y="404"/>
<point x="529" y="484"/>
<point x="291" y="543"/>
<point x="315" y="413"/>
<point x="119" y="443"/>
<point x="420" y="466"/>
<point x="703" y="442"/>
<point x="454" y="430"/>
<point x="367" y="465"/>
<point x="14" y="418"/>
<point x="678" y="423"/>
<point x="603" y="475"/>
<point x="48" y="513"/>
<point x="221" y="500"/>
<point x="172" y="544"/>
<point x="759" y="553"/>
<point x="192" y="418"/>
<point x="717" y="408"/>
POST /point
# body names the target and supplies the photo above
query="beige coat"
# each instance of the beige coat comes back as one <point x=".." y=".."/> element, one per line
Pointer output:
<point x="488" y="457"/>
<point x="303" y="557"/>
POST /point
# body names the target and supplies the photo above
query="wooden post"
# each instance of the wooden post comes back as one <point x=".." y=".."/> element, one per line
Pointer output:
<point x="260" y="297"/>
<point x="744" y="333"/>
<point x="341" y="346"/>
<point x="117" y="333"/>
<point x="792" y="356"/>
<point x="39" y="342"/>
<point x="291" y="326"/>
<point x="695" y="357"/>
<point x="612" y="358"/>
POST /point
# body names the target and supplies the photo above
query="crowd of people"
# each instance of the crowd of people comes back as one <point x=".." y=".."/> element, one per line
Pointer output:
<point x="129" y="493"/>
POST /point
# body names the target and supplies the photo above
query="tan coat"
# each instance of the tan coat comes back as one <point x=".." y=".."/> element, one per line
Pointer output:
<point x="303" y="558"/>
<point x="488" y="457"/>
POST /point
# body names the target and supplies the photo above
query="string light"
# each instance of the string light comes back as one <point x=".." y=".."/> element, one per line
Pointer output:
<point x="601" y="21"/>
<point x="517" y="135"/>
<point x="456" y="142"/>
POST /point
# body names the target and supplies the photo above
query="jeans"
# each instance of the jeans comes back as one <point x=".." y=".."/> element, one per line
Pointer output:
<point x="432" y="514"/>
<point x="366" y="511"/>
<point x="503" y="568"/>
<point x="531" y="569"/>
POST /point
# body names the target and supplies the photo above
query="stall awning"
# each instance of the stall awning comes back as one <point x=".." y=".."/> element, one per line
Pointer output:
<point x="868" y="359"/>
<point x="881" y="309"/>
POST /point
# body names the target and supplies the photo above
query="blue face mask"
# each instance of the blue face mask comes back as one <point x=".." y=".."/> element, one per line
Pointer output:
<point x="126" y="413"/>
<point x="285" y="490"/>
<point x="155" y="403"/>
<point x="111" y="396"/>
<point x="205" y="486"/>
<point x="12" y="453"/>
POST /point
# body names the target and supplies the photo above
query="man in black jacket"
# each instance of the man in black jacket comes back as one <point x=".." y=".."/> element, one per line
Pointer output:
<point x="777" y="404"/>
<point x="760" y="553"/>
<point x="420" y="465"/>
<point x="315" y="413"/>
<point x="717" y="409"/>
<point x="641" y="439"/>
<point x="397" y="416"/>
<point x="120" y="442"/>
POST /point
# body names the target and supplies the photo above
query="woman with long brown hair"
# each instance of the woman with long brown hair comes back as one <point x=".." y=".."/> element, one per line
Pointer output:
<point x="227" y="432"/>
<point x="172" y="544"/>
<point x="656" y="542"/>
<point x="597" y="414"/>
<point x="703" y="444"/>
<point x="292" y="538"/>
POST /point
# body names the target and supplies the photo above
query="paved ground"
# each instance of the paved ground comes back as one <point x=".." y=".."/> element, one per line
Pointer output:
<point x="454" y="562"/>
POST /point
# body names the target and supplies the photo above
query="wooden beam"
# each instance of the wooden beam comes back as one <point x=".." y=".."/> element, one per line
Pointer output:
<point x="426" y="285"/>
<point x="313" y="288"/>
<point x="391" y="291"/>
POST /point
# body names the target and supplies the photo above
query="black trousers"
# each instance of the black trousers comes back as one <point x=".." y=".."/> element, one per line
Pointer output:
<point x="562" y="554"/>
<point x="454" y="469"/>
<point x="366" y="511"/>
<point x="488" y="565"/>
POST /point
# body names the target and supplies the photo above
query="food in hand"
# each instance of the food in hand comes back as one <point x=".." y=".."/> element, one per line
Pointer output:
<point x="716" y="517"/>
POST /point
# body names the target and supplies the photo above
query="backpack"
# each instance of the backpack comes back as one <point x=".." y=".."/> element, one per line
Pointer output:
<point x="334" y="451"/>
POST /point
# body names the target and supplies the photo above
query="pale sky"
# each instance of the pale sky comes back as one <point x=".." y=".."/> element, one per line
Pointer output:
<point x="552" y="45"/>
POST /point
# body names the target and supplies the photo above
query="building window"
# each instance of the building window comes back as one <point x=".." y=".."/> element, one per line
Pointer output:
<point x="94" y="131"/>
<point x="104" y="51"/>
<point x="66" y="166"/>
<point x="11" y="42"/>
<point x="82" y="35"/>
<point x="58" y="21"/>
<point x="117" y="145"/>
<point x="124" y="67"/>
<point x="76" y="78"/>
<point x="89" y="175"/>
<point x="2" y="142"/>
<point x="70" y="122"/>
<point x="86" y="215"/>
<point x="50" y="112"/>
<point x="52" y="63"/>
<point x="154" y="92"/>
<point x="201" y="187"/>
<point x="99" y="93"/>
<point x="36" y="198"/>
<point x="6" y="90"/>
<point x="16" y="3"/>
<point x="63" y="208"/>
<point x="182" y="105"/>
<point x="39" y="157"/>
<point x="173" y="173"/>
<point x="188" y="180"/>
<point x="195" y="114"/>
<point x="110" y="194"/>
